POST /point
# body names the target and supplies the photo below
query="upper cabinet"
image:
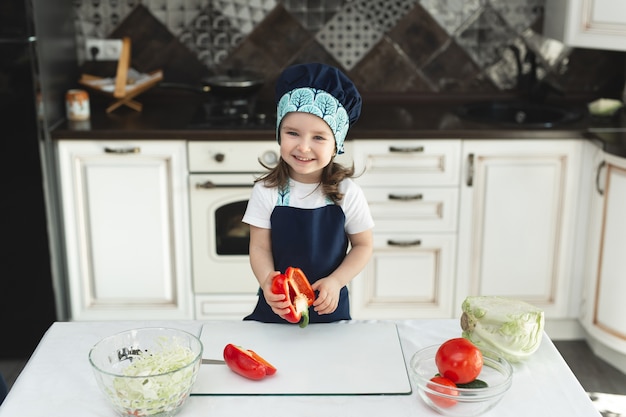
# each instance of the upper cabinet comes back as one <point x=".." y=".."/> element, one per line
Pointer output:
<point x="125" y="216"/>
<point x="594" y="24"/>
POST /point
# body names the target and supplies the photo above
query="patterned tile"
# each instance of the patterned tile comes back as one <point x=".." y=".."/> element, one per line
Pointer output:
<point x="519" y="14"/>
<point x="348" y="36"/>
<point x="211" y="36"/>
<point x="453" y="71"/>
<point x="280" y="36"/>
<point x="384" y="14"/>
<point x="451" y="14"/>
<point x="97" y="19"/>
<point x="418" y="36"/>
<point x="313" y="14"/>
<point x="485" y="37"/>
<point x="244" y="14"/>
<point x="373" y="73"/>
<point x="436" y="45"/>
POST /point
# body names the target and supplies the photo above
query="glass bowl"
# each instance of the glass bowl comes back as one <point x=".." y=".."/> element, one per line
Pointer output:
<point x="147" y="371"/>
<point x="497" y="372"/>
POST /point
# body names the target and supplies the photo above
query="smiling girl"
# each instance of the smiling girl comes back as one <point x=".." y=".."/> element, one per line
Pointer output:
<point x="306" y="212"/>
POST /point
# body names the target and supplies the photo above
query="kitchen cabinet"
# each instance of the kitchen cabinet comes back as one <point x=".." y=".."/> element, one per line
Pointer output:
<point x="595" y="24"/>
<point x="604" y="308"/>
<point x="126" y="229"/>
<point x="517" y="224"/>
<point x="412" y="190"/>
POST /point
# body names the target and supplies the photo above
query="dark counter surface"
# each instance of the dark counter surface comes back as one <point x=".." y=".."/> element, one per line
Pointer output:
<point x="168" y="116"/>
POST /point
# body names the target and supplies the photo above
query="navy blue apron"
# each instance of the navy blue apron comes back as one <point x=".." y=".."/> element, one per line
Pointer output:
<point x="313" y="240"/>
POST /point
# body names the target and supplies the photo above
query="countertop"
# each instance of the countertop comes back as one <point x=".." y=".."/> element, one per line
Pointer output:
<point x="58" y="378"/>
<point x="168" y="115"/>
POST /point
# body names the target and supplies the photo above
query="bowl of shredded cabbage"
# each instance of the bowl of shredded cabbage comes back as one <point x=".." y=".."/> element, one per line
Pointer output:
<point x="147" y="371"/>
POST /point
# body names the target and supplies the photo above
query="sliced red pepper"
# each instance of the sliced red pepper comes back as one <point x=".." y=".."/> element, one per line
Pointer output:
<point x="295" y="285"/>
<point x="247" y="363"/>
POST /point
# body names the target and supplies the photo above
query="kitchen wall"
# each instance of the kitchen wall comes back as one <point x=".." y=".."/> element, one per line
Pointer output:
<point x="420" y="47"/>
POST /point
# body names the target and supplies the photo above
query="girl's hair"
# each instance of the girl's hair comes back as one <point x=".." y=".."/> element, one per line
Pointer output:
<point x="332" y="175"/>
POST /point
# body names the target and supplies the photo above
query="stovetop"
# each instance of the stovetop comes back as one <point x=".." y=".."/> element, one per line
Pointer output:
<point x="209" y="116"/>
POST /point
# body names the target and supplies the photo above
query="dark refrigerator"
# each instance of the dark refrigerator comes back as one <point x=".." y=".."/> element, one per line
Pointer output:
<point x="37" y="65"/>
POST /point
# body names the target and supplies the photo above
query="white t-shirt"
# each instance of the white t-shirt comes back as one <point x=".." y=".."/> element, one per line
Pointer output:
<point x="310" y="196"/>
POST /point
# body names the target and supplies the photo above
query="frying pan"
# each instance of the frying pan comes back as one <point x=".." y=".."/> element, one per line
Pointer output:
<point x="232" y="85"/>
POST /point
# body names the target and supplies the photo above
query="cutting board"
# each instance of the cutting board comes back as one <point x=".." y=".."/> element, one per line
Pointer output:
<point x="320" y="359"/>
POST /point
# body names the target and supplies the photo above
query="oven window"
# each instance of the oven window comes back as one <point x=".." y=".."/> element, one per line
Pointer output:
<point x="232" y="237"/>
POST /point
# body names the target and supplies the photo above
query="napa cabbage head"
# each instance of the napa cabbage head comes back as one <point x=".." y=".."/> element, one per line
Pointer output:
<point x="511" y="327"/>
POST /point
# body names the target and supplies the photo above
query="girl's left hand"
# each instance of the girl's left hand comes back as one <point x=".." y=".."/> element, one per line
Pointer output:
<point x="328" y="295"/>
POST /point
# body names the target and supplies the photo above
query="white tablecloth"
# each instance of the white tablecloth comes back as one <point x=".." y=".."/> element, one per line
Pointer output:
<point x="58" y="381"/>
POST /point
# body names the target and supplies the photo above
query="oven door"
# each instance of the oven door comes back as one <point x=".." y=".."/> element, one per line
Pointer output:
<point x="219" y="239"/>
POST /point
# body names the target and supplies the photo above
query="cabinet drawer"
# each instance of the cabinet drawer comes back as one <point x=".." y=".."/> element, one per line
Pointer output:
<point x="224" y="306"/>
<point x="398" y="209"/>
<point x="409" y="276"/>
<point x="408" y="162"/>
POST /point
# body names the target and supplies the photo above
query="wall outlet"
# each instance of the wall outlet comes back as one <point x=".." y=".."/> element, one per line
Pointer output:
<point x="103" y="49"/>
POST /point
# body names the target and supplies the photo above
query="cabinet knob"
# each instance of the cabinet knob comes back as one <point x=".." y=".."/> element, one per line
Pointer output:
<point x="219" y="157"/>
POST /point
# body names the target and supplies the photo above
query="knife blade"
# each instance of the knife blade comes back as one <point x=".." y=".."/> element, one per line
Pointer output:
<point x="213" y="362"/>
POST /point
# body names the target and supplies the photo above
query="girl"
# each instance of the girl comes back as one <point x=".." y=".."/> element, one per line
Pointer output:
<point x="306" y="210"/>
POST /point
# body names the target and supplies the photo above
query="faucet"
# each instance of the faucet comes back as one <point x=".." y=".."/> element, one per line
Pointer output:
<point x="528" y="83"/>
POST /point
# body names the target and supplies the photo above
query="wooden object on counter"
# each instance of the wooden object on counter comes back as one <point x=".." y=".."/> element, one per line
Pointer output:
<point x="123" y="65"/>
<point x="120" y="87"/>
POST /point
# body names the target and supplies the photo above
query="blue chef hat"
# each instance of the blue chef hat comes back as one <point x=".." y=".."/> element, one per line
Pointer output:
<point x="321" y="90"/>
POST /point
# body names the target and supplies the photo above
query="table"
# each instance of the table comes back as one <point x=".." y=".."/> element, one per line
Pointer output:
<point x="58" y="380"/>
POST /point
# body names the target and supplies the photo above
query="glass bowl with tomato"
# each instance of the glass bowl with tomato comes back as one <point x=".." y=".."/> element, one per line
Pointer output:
<point x="458" y="379"/>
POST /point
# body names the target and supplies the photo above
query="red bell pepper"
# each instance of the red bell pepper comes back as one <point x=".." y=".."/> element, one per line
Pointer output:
<point x="247" y="363"/>
<point x="295" y="285"/>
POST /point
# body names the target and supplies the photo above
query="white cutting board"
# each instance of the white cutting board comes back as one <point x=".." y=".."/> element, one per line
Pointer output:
<point x="320" y="359"/>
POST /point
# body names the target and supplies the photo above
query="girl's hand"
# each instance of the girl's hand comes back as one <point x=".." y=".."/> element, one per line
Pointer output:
<point x="278" y="302"/>
<point x="328" y="295"/>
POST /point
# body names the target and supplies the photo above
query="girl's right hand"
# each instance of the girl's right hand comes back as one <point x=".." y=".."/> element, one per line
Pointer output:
<point x="278" y="302"/>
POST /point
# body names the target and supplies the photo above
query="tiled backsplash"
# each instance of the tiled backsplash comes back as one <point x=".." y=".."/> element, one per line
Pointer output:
<point x="386" y="46"/>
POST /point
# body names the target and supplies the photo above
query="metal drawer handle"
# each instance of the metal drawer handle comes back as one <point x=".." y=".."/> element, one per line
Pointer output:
<point x="404" y="243"/>
<point x="405" y="197"/>
<point x="470" y="170"/>
<point x="123" y="151"/>
<point x="600" y="190"/>
<point x="208" y="185"/>
<point x="406" y="149"/>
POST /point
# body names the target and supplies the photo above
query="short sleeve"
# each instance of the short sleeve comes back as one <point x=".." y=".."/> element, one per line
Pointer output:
<point x="260" y="206"/>
<point x="354" y="205"/>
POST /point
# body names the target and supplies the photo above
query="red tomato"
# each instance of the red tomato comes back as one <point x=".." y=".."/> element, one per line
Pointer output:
<point x="441" y="401"/>
<point x="459" y="360"/>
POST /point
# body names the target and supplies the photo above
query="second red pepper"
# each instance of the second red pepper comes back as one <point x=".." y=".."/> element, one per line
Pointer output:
<point x="295" y="285"/>
<point x="247" y="362"/>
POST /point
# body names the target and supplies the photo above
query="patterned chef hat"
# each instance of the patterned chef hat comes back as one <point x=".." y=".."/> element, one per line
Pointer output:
<point x="321" y="90"/>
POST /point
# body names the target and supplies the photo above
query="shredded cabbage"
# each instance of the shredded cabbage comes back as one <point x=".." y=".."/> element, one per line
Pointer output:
<point x="149" y="385"/>
<point x="513" y="328"/>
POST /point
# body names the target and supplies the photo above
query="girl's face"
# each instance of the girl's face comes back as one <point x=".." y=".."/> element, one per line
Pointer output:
<point x="307" y="145"/>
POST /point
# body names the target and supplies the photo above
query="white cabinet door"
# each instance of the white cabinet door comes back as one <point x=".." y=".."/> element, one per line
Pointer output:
<point x="517" y="222"/>
<point x="603" y="317"/>
<point x="125" y="210"/>
<point x="596" y="24"/>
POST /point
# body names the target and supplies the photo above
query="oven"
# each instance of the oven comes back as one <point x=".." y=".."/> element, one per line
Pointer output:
<point x="221" y="176"/>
